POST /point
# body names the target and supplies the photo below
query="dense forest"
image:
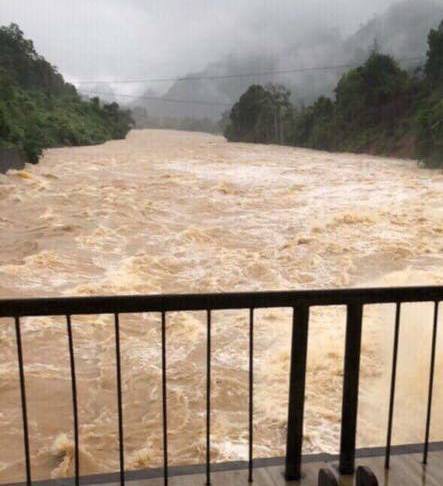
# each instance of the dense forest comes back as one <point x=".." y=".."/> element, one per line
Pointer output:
<point x="378" y="108"/>
<point x="38" y="109"/>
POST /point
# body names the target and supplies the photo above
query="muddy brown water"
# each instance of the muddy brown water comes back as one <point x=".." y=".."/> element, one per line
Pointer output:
<point x="168" y="211"/>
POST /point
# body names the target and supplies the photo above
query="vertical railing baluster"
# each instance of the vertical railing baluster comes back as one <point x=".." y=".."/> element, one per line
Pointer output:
<point x="23" y="401"/>
<point x="251" y="395"/>
<point x="431" y="383"/>
<point x="164" y="400"/>
<point x="393" y="381"/>
<point x="208" y="397"/>
<point x="297" y="384"/>
<point x="350" y="388"/>
<point x="119" y="399"/>
<point x="74" y="400"/>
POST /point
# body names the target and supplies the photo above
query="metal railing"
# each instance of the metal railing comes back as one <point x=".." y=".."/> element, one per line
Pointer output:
<point x="299" y="301"/>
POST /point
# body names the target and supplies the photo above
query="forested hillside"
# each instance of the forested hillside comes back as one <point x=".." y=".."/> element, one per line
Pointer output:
<point x="38" y="109"/>
<point x="378" y="108"/>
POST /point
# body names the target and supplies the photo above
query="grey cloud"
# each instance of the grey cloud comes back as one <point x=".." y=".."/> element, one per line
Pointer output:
<point x="133" y="38"/>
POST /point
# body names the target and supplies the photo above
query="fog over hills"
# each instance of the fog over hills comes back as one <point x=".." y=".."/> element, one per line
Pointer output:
<point x="134" y="48"/>
<point x="401" y="30"/>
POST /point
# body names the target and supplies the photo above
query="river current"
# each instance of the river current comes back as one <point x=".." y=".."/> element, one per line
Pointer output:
<point x="173" y="212"/>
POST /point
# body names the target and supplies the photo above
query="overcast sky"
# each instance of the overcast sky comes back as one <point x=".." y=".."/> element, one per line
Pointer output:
<point x="103" y="39"/>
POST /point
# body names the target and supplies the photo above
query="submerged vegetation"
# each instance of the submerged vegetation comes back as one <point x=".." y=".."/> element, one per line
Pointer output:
<point x="378" y="108"/>
<point x="38" y="109"/>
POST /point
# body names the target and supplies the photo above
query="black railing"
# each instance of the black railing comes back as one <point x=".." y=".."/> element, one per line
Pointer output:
<point x="299" y="301"/>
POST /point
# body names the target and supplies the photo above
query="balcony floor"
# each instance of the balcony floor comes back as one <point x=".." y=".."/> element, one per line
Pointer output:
<point x="406" y="470"/>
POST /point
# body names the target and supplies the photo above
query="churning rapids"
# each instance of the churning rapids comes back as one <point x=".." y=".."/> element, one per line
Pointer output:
<point x="171" y="212"/>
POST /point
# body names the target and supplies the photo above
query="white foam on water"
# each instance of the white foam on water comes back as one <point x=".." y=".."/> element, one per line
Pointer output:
<point x="166" y="212"/>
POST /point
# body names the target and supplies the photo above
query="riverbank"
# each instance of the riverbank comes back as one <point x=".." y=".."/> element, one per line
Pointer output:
<point x="377" y="108"/>
<point x="39" y="110"/>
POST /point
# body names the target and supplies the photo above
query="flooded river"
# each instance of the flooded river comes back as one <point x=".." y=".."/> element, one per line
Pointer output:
<point x="171" y="212"/>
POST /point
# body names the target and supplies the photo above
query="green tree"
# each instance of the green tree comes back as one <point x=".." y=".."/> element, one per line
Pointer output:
<point x="260" y="115"/>
<point x="434" y="63"/>
<point x="316" y="126"/>
<point x="39" y="110"/>
<point x="364" y="93"/>
<point x="430" y="134"/>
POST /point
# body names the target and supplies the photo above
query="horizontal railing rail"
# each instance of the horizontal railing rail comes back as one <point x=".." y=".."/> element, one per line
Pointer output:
<point x="299" y="301"/>
<point x="195" y="302"/>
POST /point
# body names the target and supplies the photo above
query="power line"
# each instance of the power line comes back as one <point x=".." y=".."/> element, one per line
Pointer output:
<point x="233" y="76"/>
<point x="156" y="98"/>
<point x="215" y="103"/>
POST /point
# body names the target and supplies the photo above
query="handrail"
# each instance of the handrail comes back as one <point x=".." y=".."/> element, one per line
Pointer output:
<point x="299" y="301"/>
<point x="53" y="306"/>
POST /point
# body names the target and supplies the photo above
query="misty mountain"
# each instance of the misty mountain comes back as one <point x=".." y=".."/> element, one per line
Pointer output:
<point x="400" y="31"/>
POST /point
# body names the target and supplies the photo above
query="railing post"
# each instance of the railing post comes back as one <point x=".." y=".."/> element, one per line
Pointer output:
<point x="350" y="388"/>
<point x="297" y="392"/>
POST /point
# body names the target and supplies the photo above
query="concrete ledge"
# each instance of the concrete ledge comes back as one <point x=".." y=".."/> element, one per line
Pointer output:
<point x="231" y="466"/>
<point x="11" y="159"/>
